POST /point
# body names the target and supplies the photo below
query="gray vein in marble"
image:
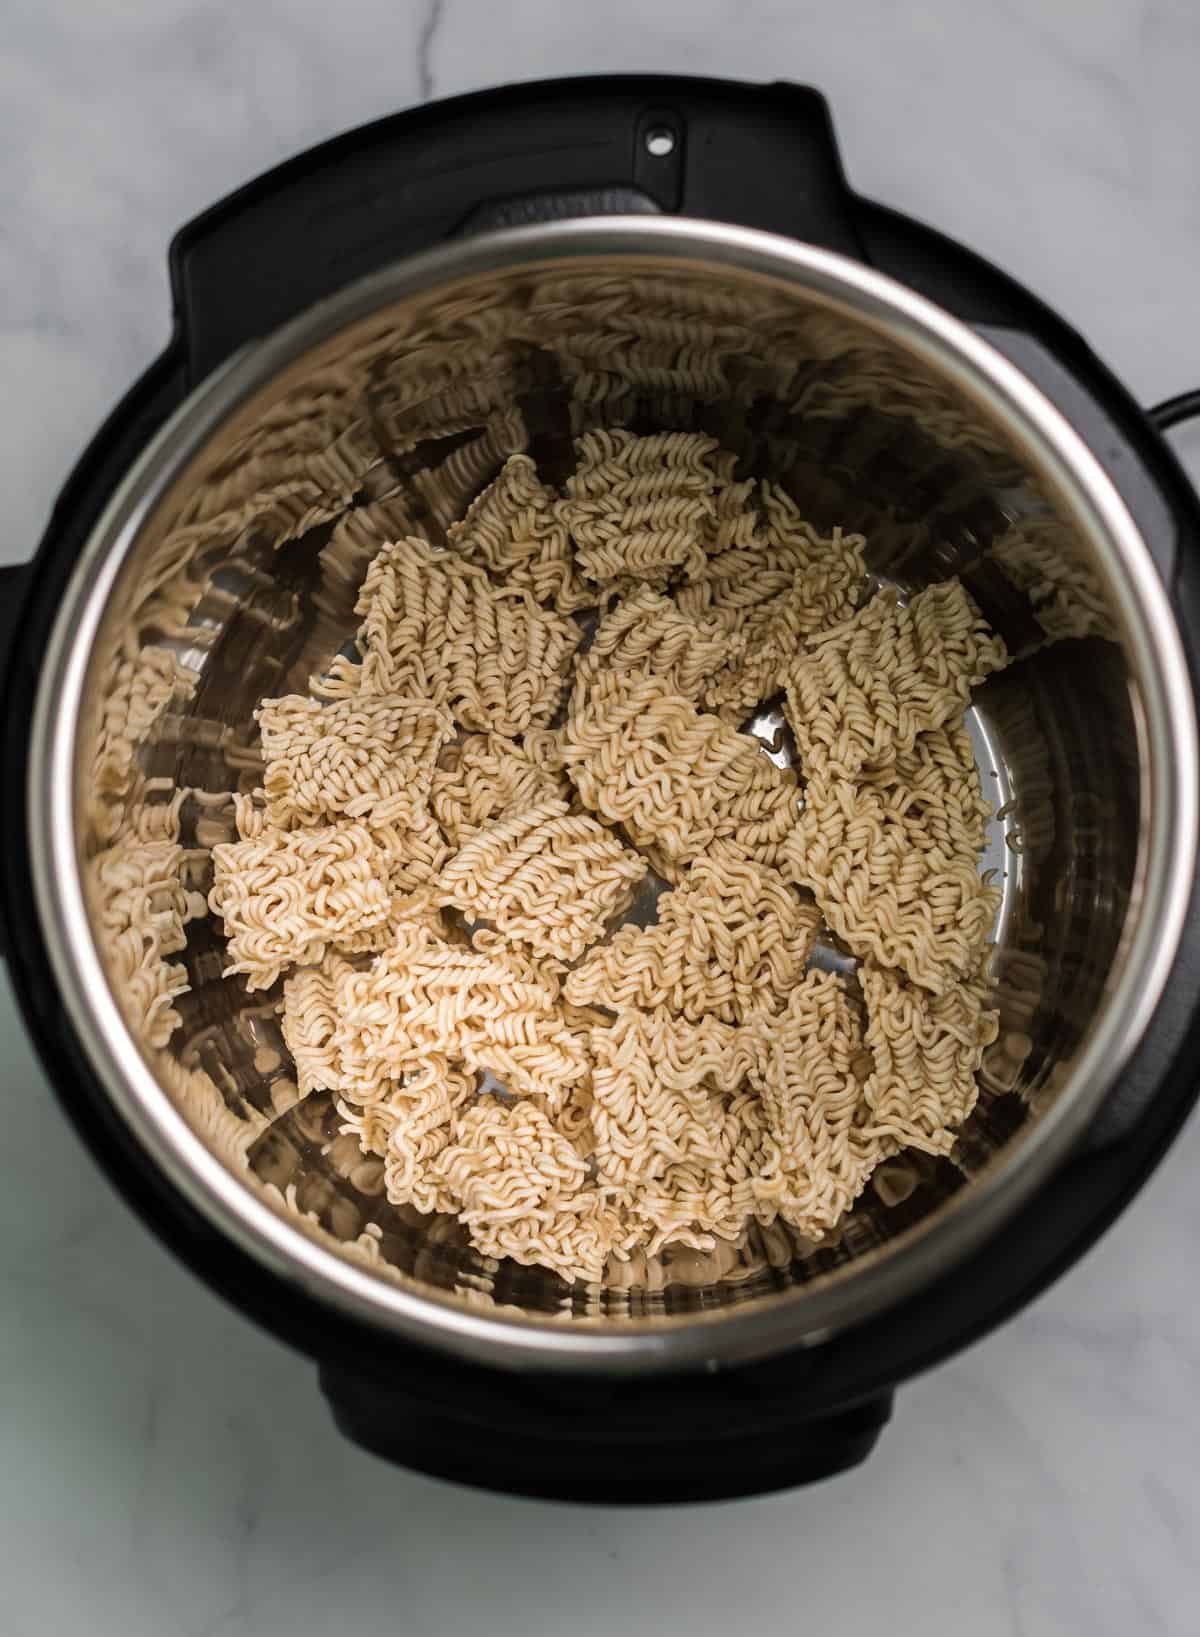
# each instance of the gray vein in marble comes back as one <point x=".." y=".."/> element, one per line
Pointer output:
<point x="1070" y="50"/>
<point x="1012" y="1595"/>
<point x="430" y="24"/>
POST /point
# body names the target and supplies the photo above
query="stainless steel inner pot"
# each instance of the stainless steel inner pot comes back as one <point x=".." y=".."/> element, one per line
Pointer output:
<point x="226" y="569"/>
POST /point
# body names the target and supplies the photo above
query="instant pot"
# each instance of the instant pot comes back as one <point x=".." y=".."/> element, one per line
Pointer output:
<point x="365" y="333"/>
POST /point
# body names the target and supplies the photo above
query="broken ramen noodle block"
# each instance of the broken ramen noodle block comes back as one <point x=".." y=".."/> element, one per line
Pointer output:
<point x="409" y="1125"/>
<point x="310" y="1022"/>
<point x="887" y="674"/>
<point x="370" y="757"/>
<point x="639" y="508"/>
<point x="435" y="628"/>
<point x="894" y="867"/>
<point x="926" y="1051"/>
<point x="646" y="635"/>
<point x="287" y="896"/>
<point x="484" y="776"/>
<point x="815" y="1158"/>
<point x="670" y="1139"/>
<point x="765" y="635"/>
<point x="491" y="1009"/>
<point x="413" y="854"/>
<point x="545" y="878"/>
<point x="523" y="1192"/>
<point x="514" y="531"/>
<point x="676" y="780"/>
<point x="730" y="942"/>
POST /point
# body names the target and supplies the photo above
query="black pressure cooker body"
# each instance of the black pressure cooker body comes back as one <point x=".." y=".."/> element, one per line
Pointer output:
<point x="761" y="157"/>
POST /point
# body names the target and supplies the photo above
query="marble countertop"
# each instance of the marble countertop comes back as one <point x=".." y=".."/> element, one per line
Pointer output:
<point x="167" y="1469"/>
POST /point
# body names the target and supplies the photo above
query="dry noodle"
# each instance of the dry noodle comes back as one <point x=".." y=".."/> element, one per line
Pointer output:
<point x="676" y="779"/>
<point x="647" y="635"/>
<point x="286" y="897"/>
<point x="887" y="674"/>
<point x="424" y="997"/>
<point x="440" y="905"/>
<point x="926" y="1051"/>
<point x="522" y="1190"/>
<point x="894" y="866"/>
<point x="412" y="855"/>
<point x="730" y="942"/>
<point x="640" y="507"/>
<point x="409" y="1126"/>
<point x="485" y="776"/>
<point x="450" y="487"/>
<point x="815" y="1158"/>
<point x="434" y="628"/>
<point x="355" y="540"/>
<point x="774" y="596"/>
<point x="309" y="1021"/>
<point x="513" y="531"/>
<point x="366" y="758"/>
<point x="545" y="878"/>
<point x="665" y="1139"/>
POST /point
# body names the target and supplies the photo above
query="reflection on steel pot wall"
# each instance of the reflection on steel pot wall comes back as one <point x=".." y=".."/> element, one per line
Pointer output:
<point x="227" y="567"/>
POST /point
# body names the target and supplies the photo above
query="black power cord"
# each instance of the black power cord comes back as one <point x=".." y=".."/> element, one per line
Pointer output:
<point x="1173" y="411"/>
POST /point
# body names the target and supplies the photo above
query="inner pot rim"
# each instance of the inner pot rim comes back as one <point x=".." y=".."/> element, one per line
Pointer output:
<point x="801" y="1316"/>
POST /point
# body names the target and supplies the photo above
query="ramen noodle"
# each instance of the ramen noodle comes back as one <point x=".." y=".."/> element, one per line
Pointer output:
<point x="435" y="848"/>
<point x="412" y="855"/>
<point x="893" y="860"/>
<point x="887" y="674"/>
<point x="366" y="758"/>
<point x="484" y="776"/>
<point x="815" y="1158"/>
<point x="926" y="1051"/>
<point x="522" y="1190"/>
<point x="309" y="1024"/>
<point x="776" y="592"/>
<point x="639" y="507"/>
<point x="435" y="628"/>
<point x="409" y="1126"/>
<point x="731" y="941"/>
<point x="489" y="1008"/>
<point x="646" y="634"/>
<point x="676" y="779"/>
<point x="285" y="897"/>
<point x="514" y="531"/>
<point x="673" y="1136"/>
<point x="545" y="878"/>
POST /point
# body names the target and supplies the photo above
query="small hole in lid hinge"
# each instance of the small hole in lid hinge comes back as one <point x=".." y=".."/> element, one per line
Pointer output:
<point x="660" y="141"/>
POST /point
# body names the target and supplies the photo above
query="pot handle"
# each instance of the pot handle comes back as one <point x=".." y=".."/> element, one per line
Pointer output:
<point x="1184" y="406"/>
<point x="761" y="156"/>
<point x="625" y="1441"/>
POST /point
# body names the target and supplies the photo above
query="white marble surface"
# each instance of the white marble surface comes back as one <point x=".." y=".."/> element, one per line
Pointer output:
<point x="166" y="1469"/>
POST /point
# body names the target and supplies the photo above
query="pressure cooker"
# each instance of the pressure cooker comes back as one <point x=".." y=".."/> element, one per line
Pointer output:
<point x="945" y="405"/>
